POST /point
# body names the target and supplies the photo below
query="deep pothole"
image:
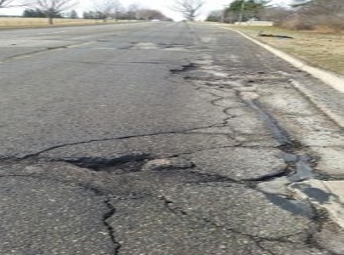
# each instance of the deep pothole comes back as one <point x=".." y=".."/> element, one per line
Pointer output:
<point x="117" y="165"/>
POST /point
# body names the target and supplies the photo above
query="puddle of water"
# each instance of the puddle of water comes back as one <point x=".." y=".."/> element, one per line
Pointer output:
<point x="317" y="194"/>
<point x="293" y="206"/>
<point x="303" y="170"/>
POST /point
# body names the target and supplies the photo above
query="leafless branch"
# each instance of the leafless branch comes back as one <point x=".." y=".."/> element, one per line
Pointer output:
<point x="188" y="8"/>
<point x="53" y="7"/>
<point x="107" y="7"/>
<point x="13" y="3"/>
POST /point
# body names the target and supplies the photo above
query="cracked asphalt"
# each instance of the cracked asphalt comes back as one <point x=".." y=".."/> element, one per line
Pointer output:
<point x="160" y="138"/>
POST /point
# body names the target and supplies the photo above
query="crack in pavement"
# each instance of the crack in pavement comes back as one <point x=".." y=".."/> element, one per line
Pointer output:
<point x="256" y="239"/>
<point x="280" y="134"/>
<point x="53" y="217"/>
<point x="301" y="168"/>
<point x="32" y="155"/>
<point x="287" y="145"/>
<point x="38" y="52"/>
<point x="111" y="231"/>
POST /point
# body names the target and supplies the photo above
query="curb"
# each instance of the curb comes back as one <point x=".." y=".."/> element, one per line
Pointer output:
<point x="339" y="120"/>
<point x="331" y="79"/>
<point x="327" y="195"/>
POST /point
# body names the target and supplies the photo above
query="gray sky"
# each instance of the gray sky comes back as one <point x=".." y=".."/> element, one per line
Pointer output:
<point x="210" y="5"/>
<point x="163" y="6"/>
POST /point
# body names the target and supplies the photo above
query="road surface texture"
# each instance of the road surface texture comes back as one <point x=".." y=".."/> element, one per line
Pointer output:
<point x="162" y="139"/>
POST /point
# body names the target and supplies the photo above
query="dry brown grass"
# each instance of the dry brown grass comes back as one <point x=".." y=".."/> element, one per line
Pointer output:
<point x="43" y="22"/>
<point x="324" y="48"/>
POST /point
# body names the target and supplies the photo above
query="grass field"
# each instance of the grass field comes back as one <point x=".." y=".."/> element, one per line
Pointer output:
<point x="318" y="48"/>
<point x="43" y="22"/>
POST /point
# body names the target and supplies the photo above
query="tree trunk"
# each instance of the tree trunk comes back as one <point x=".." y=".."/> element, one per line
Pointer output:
<point x="51" y="20"/>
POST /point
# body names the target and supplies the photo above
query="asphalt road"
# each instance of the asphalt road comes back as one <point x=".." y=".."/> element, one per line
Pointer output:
<point x="160" y="138"/>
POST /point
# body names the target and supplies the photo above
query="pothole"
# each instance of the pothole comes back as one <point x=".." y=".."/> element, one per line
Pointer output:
<point x="118" y="165"/>
<point x="185" y="68"/>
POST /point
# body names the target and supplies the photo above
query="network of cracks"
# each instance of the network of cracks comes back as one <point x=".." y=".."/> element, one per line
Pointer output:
<point x="228" y="188"/>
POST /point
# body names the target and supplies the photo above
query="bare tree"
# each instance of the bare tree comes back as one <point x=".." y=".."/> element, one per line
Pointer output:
<point x="188" y="8"/>
<point x="216" y="16"/>
<point x="6" y="3"/>
<point x="53" y="8"/>
<point x="107" y="8"/>
<point x="150" y="14"/>
<point x="276" y="14"/>
<point x="12" y="3"/>
<point x="132" y="11"/>
<point x="310" y="14"/>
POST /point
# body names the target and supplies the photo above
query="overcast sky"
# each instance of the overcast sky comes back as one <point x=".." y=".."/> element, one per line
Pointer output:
<point x="165" y="5"/>
<point x="162" y="5"/>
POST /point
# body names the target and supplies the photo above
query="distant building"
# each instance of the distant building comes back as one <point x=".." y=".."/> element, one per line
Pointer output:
<point x="254" y="22"/>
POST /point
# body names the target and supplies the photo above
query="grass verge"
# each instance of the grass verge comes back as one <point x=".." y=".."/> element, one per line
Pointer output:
<point x="9" y="23"/>
<point x="320" y="49"/>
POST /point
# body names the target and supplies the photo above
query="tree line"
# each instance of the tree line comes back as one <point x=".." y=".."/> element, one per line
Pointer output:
<point x="300" y="14"/>
<point x="133" y="12"/>
<point x="102" y="9"/>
